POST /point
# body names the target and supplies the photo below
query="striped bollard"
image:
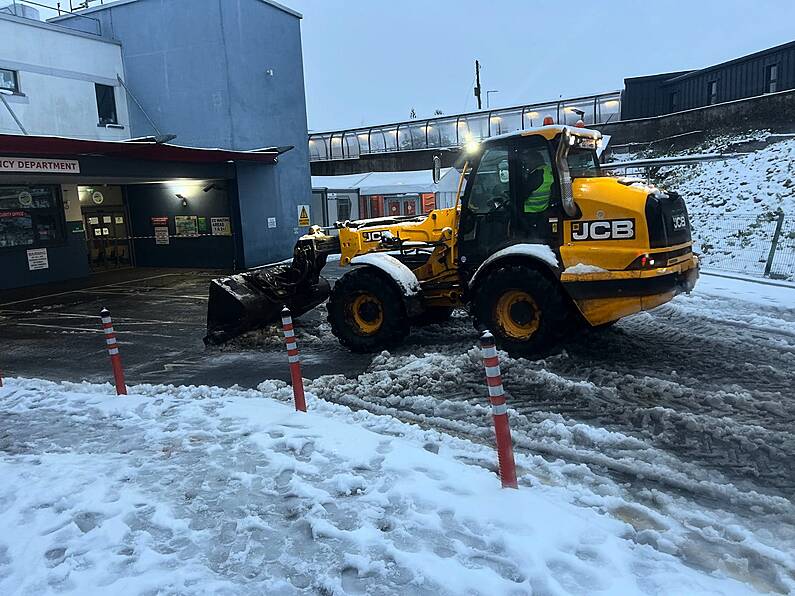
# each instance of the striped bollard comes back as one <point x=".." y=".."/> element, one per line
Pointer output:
<point x="294" y="360"/>
<point x="499" y="411"/>
<point x="113" y="351"/>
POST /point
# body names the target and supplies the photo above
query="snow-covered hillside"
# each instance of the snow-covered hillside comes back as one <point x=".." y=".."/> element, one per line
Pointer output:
<point x="733" y="204"/>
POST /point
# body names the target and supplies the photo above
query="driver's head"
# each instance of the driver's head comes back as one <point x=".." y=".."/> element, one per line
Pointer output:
<point x="535" y="161"/>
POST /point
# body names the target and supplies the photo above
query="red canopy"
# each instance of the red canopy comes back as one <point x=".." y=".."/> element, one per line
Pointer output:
<point x="65" y="147"/>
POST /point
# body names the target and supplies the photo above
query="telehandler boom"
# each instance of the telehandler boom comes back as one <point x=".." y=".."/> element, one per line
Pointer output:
<point x="540" y="239"/>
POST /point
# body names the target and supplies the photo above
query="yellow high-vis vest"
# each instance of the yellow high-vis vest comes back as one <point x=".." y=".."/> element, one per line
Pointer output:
<point x="538" y="200"/>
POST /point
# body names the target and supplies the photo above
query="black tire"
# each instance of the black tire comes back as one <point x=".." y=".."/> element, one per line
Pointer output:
<point x="433" y="315"/>
<point x="366" y="311"/>
<point x="537" y="318"/>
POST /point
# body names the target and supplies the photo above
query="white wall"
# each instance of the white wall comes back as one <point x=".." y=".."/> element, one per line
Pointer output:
<point x="57" y="71"/>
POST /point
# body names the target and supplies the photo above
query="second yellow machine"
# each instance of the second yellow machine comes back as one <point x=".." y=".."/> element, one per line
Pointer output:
<point x="539" y="241"/>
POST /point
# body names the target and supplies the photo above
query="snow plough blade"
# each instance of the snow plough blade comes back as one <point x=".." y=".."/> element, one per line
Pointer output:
<point x="254" y="299"/>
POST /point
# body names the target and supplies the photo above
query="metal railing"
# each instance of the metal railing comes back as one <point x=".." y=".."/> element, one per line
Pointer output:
<point x="454" y="131"/>
<point x="82" y="23"/>
<point x="762" y="245"/>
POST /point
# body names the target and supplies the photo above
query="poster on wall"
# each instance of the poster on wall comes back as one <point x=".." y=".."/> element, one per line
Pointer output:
<point x="93" y="221"/>
<point x="203" y="227"/>
<point x="186" y="225"/>
<point x="159" y="221"/>
<point x="106" y="219"/>
<point x="37" y="259"/>
<point x="119" y="219"/>
<point x="161" y="235"/>
<point x="221" y="226"/>
<point x="271" y="222"/>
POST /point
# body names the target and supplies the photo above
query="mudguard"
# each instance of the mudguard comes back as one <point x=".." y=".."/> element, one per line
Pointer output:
<point x="404" y="278"/>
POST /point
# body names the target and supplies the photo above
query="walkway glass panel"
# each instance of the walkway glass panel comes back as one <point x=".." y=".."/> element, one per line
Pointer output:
<point x="454" y="131"/>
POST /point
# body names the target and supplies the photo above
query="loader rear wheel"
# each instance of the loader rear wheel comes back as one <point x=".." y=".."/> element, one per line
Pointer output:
<point x="366" y="311"/>
<point x="523" y="308"/>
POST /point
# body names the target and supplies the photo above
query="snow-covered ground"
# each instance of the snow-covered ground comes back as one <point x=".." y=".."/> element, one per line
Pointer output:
<point x="654" y="457"/>
<point x="207" y="491"/>
<point x="733" y="203"/>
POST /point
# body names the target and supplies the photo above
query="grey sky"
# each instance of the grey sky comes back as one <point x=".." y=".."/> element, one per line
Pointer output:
<point x="371" y="61"/>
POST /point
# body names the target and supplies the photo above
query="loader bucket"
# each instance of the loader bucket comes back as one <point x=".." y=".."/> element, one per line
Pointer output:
<point x="254" y="299"/>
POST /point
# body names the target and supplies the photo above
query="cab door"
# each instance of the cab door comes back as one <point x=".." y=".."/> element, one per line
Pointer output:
<point x="488" y="207"/>
<point x="539" y="216"/>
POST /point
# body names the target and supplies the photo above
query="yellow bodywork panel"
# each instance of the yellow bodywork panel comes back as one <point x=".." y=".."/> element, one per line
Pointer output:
<point x="430" y="229"/>
<point x="605" y="199"/>
<point x="439" y="275"/>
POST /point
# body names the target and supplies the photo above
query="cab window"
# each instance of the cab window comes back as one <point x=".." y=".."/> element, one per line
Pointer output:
<point x="582" y="162"/>
<point x="492" y="182"/>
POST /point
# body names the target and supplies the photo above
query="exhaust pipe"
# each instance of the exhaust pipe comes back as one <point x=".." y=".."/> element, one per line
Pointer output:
<point x="564" y="175"/>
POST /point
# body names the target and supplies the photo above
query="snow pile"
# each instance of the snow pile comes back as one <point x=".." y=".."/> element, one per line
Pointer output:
<point x="582" y="268"/>
<point x="203" y="490"/>
<point x="733" y="203"/>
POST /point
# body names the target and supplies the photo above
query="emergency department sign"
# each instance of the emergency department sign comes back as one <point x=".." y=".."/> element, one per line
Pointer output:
<point x="35" y="164"/>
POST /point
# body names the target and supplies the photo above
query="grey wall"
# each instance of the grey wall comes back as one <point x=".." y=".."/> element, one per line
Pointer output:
<point x="257" y="190"/>
<point x="67" y="261"/>
<point x="401" y="161"/>
<point x="145" y="201"/>
<point x="774" y="111"/>
<point x="200" y="69"/>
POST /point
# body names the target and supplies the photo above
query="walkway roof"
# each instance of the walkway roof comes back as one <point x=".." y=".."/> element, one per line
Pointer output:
<point x="391" y="183"/>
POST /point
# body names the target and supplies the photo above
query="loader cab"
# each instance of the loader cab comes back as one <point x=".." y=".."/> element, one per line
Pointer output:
<point x="512" y="195"/>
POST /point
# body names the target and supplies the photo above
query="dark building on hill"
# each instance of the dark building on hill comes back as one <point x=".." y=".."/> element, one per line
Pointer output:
<point x="768" y="71"/>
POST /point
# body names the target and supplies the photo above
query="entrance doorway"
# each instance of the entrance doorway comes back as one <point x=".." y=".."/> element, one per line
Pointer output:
<point x="106" y="226"/>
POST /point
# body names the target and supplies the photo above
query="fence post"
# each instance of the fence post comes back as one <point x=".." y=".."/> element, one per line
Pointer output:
<point x="499" y="411"/>
<point x="113" y="351"/>
<point x="294" y="360"/>
<point x="774" y="243"/>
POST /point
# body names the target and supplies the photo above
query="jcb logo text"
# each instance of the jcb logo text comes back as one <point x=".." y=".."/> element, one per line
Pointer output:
<point x="603" y="229"/>
<point x="374" y="236"/>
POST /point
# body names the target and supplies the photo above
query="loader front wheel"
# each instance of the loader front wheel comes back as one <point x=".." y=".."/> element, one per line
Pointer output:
<point x="522" y="308"/>
<point x="366" y="311"/>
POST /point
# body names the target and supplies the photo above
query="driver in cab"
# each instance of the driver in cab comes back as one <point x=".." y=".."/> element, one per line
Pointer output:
<point x="537" y="182"/>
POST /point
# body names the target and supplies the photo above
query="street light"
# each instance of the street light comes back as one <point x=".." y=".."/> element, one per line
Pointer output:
<point x="487" y="96"/>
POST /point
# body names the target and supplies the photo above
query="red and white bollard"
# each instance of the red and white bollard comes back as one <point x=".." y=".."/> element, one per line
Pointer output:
<point x="113" y="350"/>
<point x="499" y="411"/>
<point x="294" y="360"/>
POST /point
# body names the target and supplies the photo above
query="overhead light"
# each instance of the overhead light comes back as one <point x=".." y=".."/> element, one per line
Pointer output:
<point x="471" y="146"/>
<point x="184" y="200"/>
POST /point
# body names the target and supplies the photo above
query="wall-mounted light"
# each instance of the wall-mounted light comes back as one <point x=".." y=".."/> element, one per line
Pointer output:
<point x="184" y="200"/>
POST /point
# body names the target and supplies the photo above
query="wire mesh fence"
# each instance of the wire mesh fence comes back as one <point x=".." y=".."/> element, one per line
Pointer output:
<point x="762" y="245"/>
